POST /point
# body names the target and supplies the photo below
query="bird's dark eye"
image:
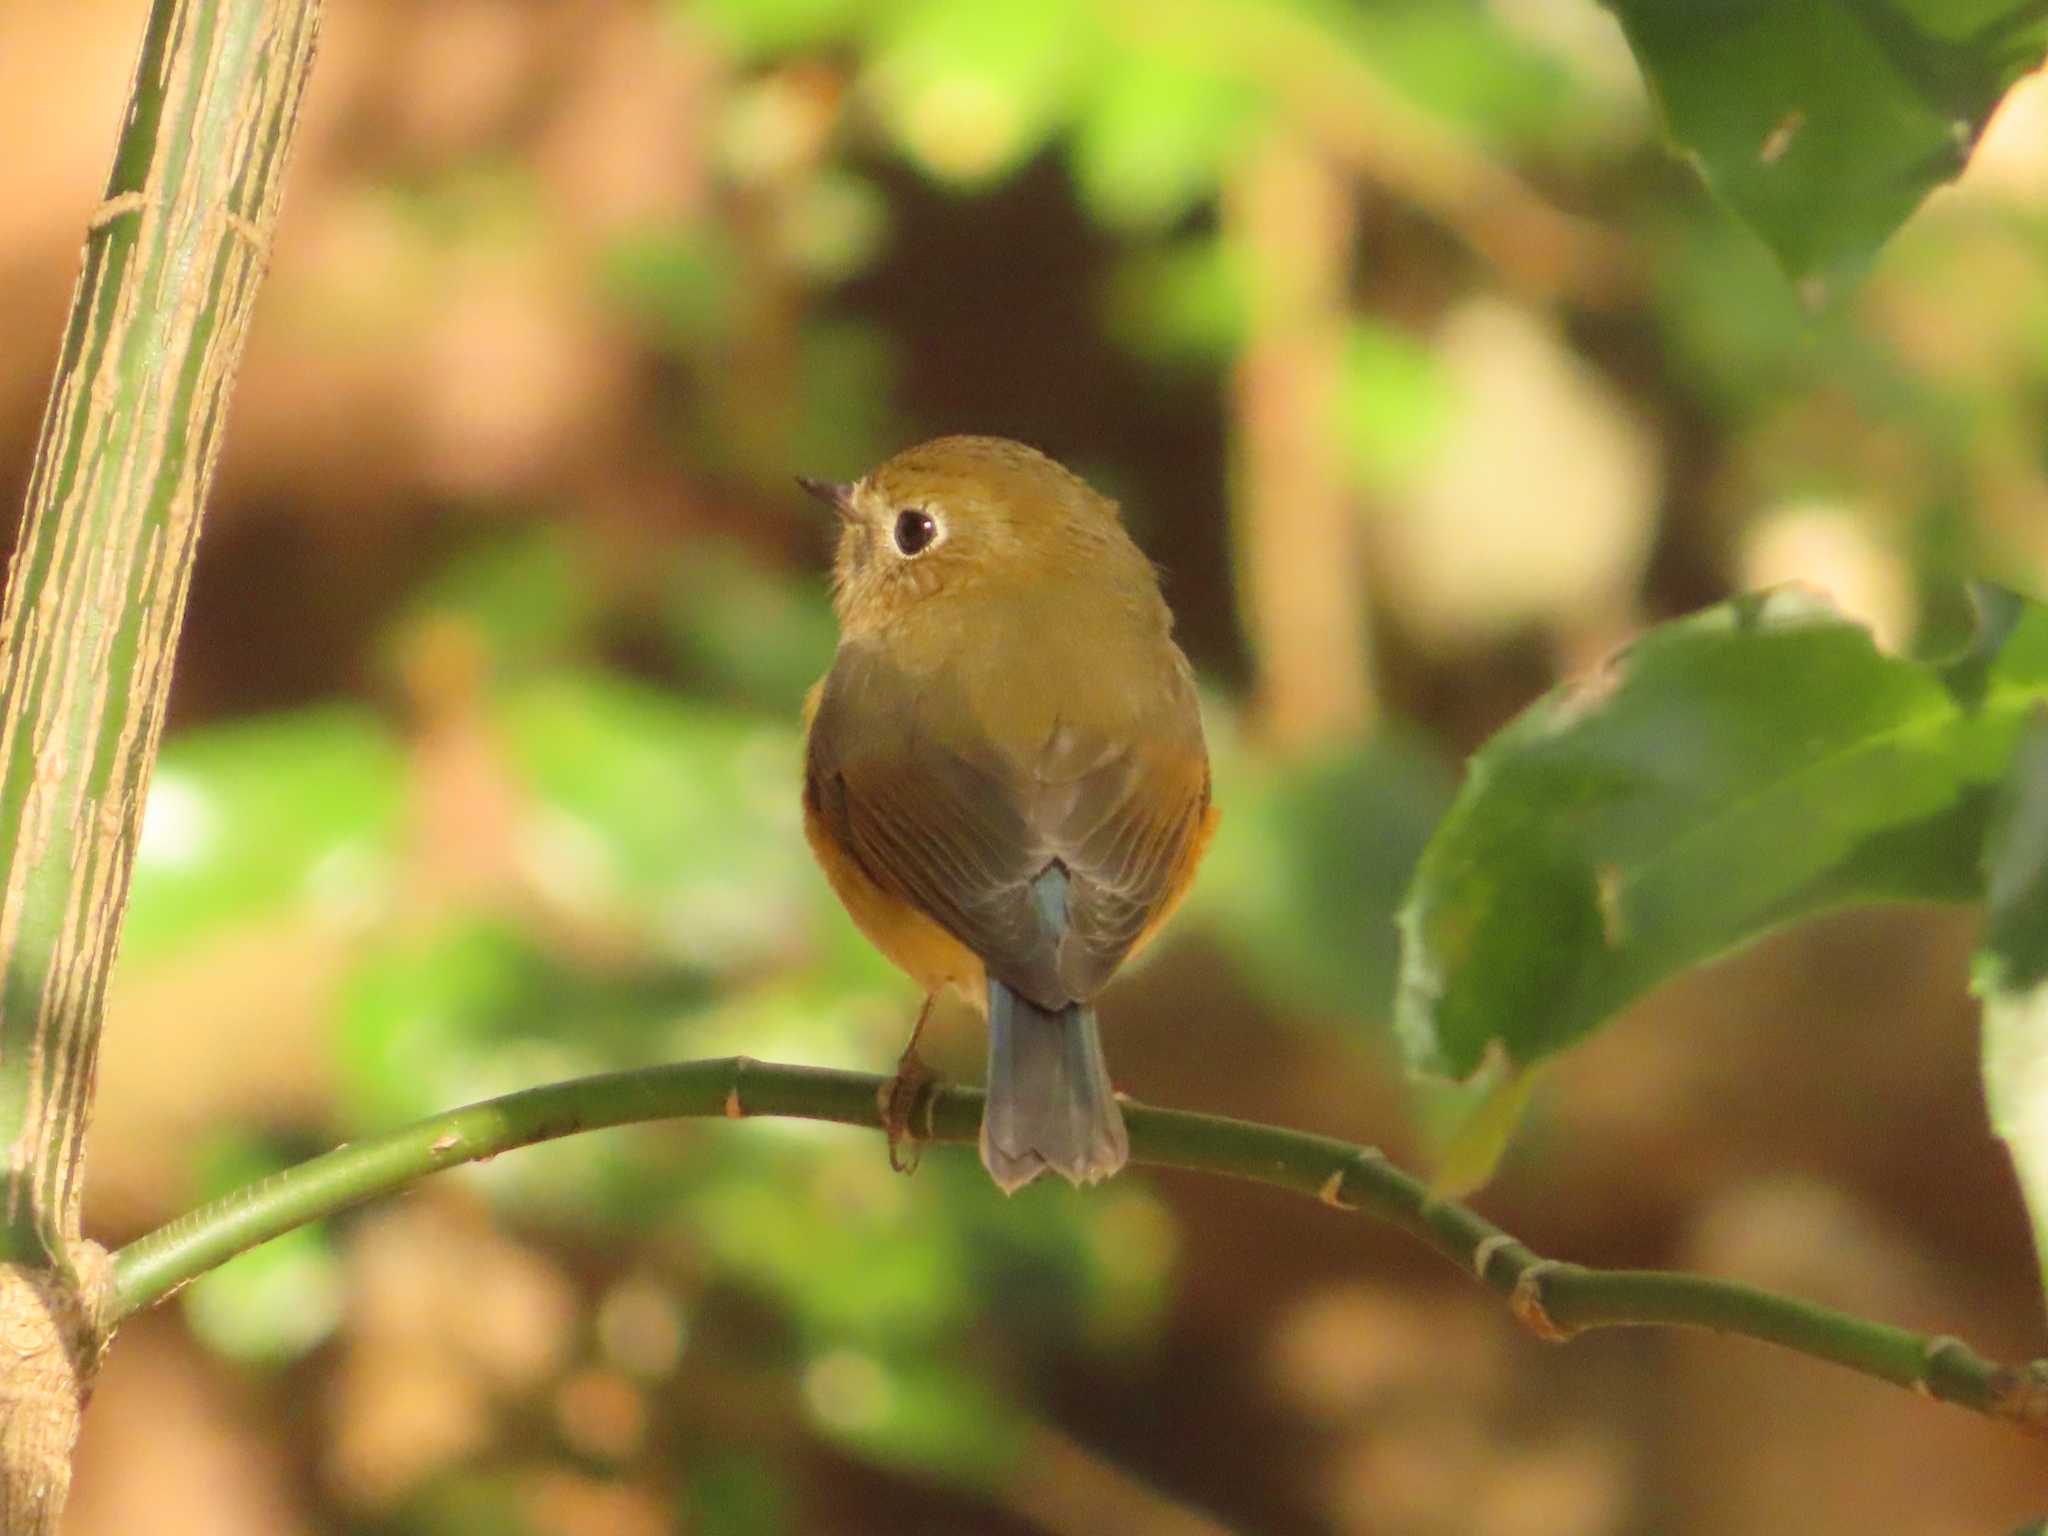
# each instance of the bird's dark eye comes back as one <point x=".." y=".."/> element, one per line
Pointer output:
<point x="915" y="532"/>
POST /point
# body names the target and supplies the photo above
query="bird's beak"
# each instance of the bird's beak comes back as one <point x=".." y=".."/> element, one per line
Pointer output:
<point x="836" y="495"/>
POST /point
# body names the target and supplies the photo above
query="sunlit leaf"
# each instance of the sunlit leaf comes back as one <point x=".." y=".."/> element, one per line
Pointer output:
<point x="1826" y="122"/>
<point x="2011" y="975"/>
<point x="1729" y="773"/>
<point x="256" y="818"/>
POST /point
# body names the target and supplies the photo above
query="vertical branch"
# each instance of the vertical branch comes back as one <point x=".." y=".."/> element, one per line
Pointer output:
<point x="94" y="600"/>
<point x="1289" y="216"/>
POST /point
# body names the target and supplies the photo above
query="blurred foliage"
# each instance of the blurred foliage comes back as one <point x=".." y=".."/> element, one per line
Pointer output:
<point x="592" y="294"/>
<point x="252" y="820"/>
<point x="1309" y="868"/>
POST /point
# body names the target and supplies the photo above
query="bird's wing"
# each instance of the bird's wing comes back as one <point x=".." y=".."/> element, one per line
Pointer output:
<point x="933" y="821"/>
<point x="942" y="818"/>
<point x="1126" y="818"/>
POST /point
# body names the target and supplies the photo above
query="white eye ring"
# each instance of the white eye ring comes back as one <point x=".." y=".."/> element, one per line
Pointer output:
<point x="915" y="531"/>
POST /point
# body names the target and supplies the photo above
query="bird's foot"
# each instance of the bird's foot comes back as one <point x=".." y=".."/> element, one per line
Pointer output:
<point x="908" y="1092"/>
<point x="903" y="1095"/>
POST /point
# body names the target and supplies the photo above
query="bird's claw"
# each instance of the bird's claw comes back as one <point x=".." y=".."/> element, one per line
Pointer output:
<point x="903" y="1096"/>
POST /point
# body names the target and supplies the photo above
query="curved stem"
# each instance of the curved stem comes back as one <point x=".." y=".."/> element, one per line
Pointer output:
<point x="1553" y="1299"/>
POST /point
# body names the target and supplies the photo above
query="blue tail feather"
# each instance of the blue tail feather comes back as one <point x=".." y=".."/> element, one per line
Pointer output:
<point x="1050" y="1104"/>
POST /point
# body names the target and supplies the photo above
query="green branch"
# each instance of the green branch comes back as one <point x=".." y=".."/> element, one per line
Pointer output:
<point x="95" y="595"/>
<point x="1553" y="1299"/>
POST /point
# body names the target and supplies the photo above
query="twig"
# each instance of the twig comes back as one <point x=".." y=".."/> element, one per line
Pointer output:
<point x="1554" y="1300"/>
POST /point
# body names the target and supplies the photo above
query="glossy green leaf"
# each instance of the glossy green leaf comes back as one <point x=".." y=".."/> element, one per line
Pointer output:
<point x="2011" y="975"/>
<point x="261" y="819"/>
<point x="1824" y="123"/>
<point x="1727" y="774"/>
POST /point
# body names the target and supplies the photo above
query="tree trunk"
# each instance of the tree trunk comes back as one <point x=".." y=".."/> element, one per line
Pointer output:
<point x="94" y="600"/>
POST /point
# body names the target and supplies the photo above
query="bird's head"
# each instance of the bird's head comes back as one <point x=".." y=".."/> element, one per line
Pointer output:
<point x="961" y="516"/>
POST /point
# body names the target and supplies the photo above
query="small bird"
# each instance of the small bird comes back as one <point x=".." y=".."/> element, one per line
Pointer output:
<point x="1005" y="777"/>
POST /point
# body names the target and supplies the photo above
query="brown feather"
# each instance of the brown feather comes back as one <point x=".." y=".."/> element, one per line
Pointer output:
<point x="1011" y="699"/>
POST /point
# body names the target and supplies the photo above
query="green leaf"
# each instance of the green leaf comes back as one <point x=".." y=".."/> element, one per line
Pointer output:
<point x="1824" y="123"/>
<point x="1729" y="773"/>
<point x="260" y="818"/>
<point x="2011" y="975"/>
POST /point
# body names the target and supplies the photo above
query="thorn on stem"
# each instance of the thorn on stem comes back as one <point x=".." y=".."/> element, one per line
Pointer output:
<point x="2018" y="1394"/>
<point x="1332" y="1192"/>
<point x="1526" y="1302"/>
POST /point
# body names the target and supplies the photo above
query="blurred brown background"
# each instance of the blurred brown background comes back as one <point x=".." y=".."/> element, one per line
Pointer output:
<point x="1426" y="375"/>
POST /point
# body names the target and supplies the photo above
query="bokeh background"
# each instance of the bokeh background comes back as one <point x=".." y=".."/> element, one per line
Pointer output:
<point x="1427" y="375"/>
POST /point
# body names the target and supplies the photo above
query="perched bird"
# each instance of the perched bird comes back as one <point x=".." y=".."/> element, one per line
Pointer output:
<point x="1005" y="776"/>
